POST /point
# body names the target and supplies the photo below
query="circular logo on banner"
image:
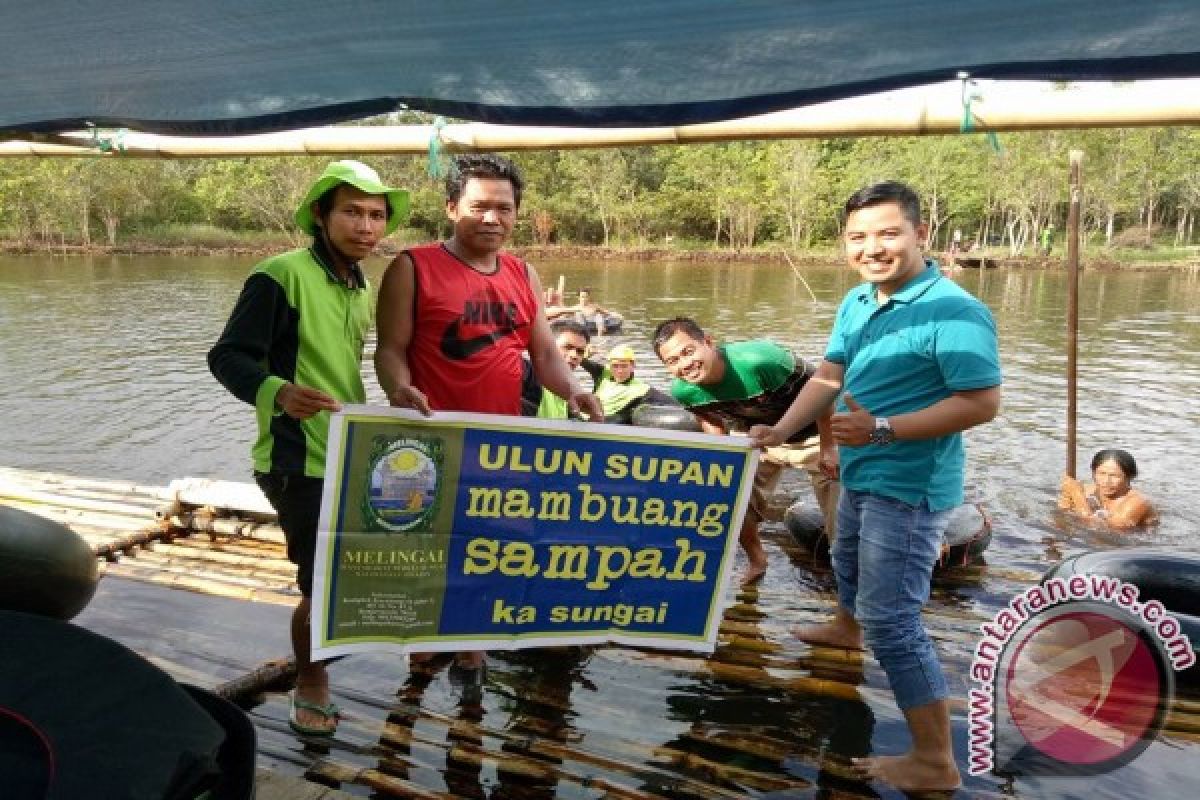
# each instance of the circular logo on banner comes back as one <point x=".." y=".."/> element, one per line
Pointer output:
<point x="404" y="484"/>
<point x="1087" y="687"/>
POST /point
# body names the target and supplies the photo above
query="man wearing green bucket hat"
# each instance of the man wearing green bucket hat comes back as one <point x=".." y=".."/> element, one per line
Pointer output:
<point x="292" y="348"/>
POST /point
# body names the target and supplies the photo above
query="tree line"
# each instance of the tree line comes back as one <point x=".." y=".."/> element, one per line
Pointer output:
<point x="1141" y="188"/>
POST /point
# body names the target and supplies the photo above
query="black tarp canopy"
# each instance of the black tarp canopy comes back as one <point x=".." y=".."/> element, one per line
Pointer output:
<point x="245" y="66"/>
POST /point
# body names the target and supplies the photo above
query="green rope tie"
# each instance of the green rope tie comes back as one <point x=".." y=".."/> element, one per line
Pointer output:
<point x="434" y="166"/>
<point x="970" y="94"/>
<point x="107" y="144"/>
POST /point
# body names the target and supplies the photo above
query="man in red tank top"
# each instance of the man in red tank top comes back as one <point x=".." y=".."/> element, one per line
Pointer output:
<point x="455" y="317"/>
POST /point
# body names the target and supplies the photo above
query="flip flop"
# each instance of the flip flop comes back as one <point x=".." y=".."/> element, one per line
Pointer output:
<point x="330" y="711"/>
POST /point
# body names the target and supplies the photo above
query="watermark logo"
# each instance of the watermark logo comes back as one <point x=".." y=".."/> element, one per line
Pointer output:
<point x="1074" y="677"/>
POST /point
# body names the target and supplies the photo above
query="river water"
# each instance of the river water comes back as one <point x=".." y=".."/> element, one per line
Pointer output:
<point x="105" y="376"/>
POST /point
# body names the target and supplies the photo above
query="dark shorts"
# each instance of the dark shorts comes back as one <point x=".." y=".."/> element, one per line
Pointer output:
<point x="297" y="501"/>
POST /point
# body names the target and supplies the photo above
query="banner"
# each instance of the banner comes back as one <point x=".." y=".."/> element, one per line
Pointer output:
<point x="476" y="532"/>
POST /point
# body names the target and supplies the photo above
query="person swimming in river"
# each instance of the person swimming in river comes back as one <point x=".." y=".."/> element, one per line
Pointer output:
<point x="586" y="311"/>
<point x="616" y="386"/>
<point x="1110" y="500"/>
<point x="619" y="389"/>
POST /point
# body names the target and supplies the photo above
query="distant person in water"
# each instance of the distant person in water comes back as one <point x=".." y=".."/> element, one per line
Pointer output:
<point x="586" y="311"/>
<point x="1110" y="499"/>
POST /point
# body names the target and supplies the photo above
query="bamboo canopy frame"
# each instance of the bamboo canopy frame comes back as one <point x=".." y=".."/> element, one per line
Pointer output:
<point x="945" y="108"/>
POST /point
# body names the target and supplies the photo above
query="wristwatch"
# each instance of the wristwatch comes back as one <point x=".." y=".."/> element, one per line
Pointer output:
<point x="883" y="433"/>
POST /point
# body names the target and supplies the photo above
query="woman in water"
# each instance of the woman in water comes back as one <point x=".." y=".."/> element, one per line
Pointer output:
<point x="1109" y="500"/>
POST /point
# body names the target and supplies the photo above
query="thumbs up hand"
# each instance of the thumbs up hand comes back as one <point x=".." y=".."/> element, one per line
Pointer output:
<point x="852" y="427"/>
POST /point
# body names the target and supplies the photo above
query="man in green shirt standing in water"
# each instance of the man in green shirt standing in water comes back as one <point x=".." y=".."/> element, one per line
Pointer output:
<point x="730" y="387"/>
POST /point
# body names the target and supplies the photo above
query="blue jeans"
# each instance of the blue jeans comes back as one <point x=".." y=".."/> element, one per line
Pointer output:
<point x="883" y="557"/>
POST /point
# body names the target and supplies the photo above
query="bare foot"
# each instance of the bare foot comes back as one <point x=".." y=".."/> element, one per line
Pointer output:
<point x="907" y="772"/>
<point x="752" y="574"/>
<point x="833" y="634"/>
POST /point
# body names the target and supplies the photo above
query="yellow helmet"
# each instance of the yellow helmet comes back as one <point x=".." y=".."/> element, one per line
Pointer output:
<point x="621" y="352"/>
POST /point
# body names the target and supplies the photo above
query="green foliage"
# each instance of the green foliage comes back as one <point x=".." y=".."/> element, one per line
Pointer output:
<point x="780" y="195"/>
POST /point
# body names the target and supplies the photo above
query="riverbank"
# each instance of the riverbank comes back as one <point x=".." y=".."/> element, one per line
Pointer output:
<point x="260" y="245"/>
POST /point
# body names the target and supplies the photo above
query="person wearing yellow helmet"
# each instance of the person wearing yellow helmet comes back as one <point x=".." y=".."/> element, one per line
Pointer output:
<point x="619" y="389"/>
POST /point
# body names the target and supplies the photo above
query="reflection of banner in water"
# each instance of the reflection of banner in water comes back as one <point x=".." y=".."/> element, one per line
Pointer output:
<point x="469" y="531"/>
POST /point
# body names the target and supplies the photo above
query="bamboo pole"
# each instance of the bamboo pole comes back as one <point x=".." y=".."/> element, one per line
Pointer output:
<point x="200" y="569"/>
<point x="34" y="478"/>
<point x="865" y="116"/>
<point x="54" y="499"/>
<point x="278" y="673"/>
<point x="800" y="275"/>
<point x="1076" y="189"/>
<point x="181" y="579"/>
<point x="205" y="522"/>
<point x="329" y="770"/>
<point x="247" y="567"/>
<point x="204" y="549"/>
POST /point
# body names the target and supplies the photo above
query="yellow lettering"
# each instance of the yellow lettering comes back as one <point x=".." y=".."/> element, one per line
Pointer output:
<point x="669" y="469"/>
<point x="643" y="469"/>
<point x="685" y="554"/>
<point x="617" y="466"/>
<point x="710" y="523"/>
<point x="515" y="464"/>
<point x="516" y="504"/>
<point x="489" y="461"/>
<point x="555" y="506"/>
<point x="483" y="502"/>
<point x="604" y="571"/>
<point x="647" y="563"/>
<point x="627" y="517"/>
<point x="519" y="560"/>
<point x="689" y="507"/>
<point x="567" y="561"/>
<point x="481" y="556"/>
<point x="693" y="474"/>
<point x="578" y="463"/>
<point x="720" y="475"/>
<point x="592" y="506"/>
<point x="654" y="512"/>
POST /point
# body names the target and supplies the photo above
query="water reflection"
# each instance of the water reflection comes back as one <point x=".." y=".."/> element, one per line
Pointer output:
<point x="765" y="723"/>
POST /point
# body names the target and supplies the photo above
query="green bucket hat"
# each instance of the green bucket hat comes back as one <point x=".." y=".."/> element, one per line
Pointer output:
<point x="361" y="177"/>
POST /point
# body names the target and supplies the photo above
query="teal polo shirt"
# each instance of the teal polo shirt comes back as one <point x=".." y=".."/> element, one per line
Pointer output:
<point x="929" y="340"/>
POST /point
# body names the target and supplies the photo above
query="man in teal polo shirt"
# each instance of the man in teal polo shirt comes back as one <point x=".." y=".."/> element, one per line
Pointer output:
<point x="915" y="362"/>
<point x="292" y="348"/>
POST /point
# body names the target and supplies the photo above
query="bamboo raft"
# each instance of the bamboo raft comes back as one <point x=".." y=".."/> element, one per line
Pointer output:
<point x="764" y="714"/>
